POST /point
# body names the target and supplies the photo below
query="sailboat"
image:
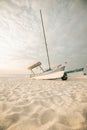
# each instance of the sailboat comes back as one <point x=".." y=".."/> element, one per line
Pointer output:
<point x="50" y="73"/>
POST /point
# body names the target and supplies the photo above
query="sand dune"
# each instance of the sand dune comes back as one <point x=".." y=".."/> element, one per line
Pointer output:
<point x="27" y="104"/>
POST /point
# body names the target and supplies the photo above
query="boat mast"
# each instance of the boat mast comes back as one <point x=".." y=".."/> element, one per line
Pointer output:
<point x="45" y="40"/>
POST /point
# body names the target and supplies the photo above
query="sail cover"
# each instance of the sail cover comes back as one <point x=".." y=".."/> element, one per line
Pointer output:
<point x="34" y="65"/>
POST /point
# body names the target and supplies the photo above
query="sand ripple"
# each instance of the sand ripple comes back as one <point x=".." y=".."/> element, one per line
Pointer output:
<point x="43" y="105"/>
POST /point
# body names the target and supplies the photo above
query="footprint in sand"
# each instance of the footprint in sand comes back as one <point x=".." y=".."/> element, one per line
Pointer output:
<point x="85" y="114"/>
<point x="47" y="116"/>
<point x="58" y="126"/>
<point x="84" y="123"/>
<point x="3" y="106"/>
<point x="84" y="98"/>
<point x="73" y="120"/>
<point x="16" y="109"/>
<point x="9" y="120"/>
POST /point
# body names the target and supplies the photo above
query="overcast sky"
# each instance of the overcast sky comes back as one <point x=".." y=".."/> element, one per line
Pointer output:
<point x="21" y="36"/>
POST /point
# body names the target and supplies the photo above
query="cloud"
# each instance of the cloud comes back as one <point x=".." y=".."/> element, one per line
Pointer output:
<point x="21" y="36"/>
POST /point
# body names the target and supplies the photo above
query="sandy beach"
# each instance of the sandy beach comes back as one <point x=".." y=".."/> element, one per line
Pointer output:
<point x="27" y="104"/>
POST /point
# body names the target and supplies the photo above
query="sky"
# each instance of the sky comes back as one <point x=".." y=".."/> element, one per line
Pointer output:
<point x="21" y="34"/>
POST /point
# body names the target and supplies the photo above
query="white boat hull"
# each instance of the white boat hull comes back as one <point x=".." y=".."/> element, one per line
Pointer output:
<point x="52" y="75"/>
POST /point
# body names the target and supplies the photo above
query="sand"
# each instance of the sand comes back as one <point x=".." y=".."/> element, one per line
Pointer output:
<point x="27" y="104"/>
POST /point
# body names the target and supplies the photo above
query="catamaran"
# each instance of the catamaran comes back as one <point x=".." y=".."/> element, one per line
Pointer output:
<point x="50" y="73"/>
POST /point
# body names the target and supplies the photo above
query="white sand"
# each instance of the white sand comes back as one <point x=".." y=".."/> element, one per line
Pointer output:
<point x="43" y="105"/>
